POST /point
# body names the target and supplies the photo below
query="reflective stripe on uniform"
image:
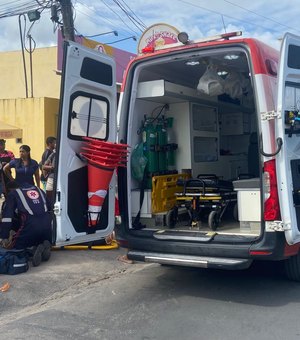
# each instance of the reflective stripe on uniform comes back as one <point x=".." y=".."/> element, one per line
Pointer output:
<point x="43" y="198"/>
<point x="6" y="219"/>
<point x="24" y="202"/>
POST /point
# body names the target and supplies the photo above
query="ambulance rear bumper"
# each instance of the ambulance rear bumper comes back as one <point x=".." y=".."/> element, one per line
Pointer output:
<point x="190" y="261"/>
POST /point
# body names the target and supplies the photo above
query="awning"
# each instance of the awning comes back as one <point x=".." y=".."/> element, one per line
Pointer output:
<point x="9" y="131"/>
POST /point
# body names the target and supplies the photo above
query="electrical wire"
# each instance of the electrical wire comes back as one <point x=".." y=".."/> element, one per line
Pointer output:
<point x="50" y="2"/>
<point x="11" y="2"/>
<point x="137" y="18"/>
<point x="22" y="8"/>
<point x="135" y="23"/>
<point x="259" y="15"/>
<point x="113" y="26"/>
<point x="111" y="9"/>
<point x="228" y="16"/>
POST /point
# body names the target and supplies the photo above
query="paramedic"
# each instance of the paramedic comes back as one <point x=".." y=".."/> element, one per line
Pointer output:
<point x="25" y="211"/>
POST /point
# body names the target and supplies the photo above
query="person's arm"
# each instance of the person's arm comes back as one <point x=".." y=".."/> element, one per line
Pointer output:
<point x="37" y="178"/>
<point x="11" y="155"/>
<point x="47" y="166"/>
<point x="7" y="172"/>
<point x="8" y="210"/>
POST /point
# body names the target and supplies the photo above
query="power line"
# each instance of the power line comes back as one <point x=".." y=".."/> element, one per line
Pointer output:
<point x="138" y="19"/>
<point x="21" y="8"/>
<point x="137" y="25"/>
<point x="112" y="24"/>
<point x="11" y="2"/>
<point x="228" y="16"/>
<point x="123" y="21"/>
<point x="259" y="15"/>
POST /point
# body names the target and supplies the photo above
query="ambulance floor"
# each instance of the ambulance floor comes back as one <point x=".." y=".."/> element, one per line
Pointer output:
<point x="230" y="227"/>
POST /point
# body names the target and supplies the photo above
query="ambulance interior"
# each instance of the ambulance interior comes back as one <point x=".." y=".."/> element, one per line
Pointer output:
<point x="193" y="116"/>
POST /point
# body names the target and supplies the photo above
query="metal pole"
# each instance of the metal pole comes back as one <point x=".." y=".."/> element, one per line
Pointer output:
<point x="23" y="55"/>
<point x="31" y="72"/>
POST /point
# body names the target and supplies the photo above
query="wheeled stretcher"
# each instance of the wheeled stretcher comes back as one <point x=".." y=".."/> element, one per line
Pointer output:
<point x="206" y="192"/>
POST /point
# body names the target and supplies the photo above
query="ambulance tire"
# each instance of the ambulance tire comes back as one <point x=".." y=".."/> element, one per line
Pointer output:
<point x="213" y="220"/>
<point x="171" y="217"/>
<point x="292" y="267"/>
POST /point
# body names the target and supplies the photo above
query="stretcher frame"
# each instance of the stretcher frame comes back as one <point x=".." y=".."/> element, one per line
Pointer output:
<point x="203" y="196"/>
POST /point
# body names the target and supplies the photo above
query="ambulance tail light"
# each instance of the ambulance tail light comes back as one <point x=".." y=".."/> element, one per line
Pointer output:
<point x="271" y="204"/>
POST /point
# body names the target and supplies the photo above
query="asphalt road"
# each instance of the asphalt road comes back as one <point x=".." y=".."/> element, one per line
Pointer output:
<point x="92" y="295"/>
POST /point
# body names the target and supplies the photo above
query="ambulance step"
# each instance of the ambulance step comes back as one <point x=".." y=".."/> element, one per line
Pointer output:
<point x="190" y="261"/>
<point x="181" y="235"/>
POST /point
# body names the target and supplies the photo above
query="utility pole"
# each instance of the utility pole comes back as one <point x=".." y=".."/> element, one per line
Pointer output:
<point x="67" y="17"/>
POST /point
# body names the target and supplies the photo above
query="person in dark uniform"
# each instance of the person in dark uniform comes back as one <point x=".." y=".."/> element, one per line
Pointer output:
<point x="26" y="211"/>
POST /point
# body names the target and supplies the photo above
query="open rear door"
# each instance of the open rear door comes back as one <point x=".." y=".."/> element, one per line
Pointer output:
<point x="288" y="128"/>
<point x="87" y="108"/>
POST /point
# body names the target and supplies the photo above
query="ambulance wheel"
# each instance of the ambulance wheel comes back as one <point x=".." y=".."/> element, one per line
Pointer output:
<point x="171" y="217"/>
<point x="213" y="220"/>
<point x="292" y="267"/>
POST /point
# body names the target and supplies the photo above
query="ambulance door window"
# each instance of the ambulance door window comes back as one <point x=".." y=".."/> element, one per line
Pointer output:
<point x="88" y="117"/>
<point x="96" y="71"/>
<point x="293" y="57"/>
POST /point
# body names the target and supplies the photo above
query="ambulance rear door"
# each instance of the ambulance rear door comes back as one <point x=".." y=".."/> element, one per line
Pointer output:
<point x="87" y="109"/>
<point x="288" y="129"/>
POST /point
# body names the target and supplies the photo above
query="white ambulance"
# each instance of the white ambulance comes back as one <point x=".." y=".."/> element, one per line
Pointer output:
<point x="213" y="178"/>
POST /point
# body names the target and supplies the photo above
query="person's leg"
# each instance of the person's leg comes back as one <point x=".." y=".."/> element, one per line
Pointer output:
<point x="27" y="237"/>
<point x="43" y="233"/>
<point x="49" y="189"/>
<point x="33" y="234"/>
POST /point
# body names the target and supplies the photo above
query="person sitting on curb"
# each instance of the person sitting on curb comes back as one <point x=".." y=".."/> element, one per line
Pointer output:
<point x="26" y="221"/>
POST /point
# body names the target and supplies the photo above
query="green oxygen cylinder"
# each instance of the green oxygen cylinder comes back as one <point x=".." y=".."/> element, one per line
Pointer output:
<point x="162" y="141"/>
<point x="172" y="146"/>
<point x="150" y="141"/>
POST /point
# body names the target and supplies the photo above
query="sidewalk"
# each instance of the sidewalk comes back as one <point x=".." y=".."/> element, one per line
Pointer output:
<point x="65" y="274"/>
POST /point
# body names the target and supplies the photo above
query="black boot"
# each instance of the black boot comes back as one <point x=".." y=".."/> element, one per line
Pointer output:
<point x="46" y="254"/>
<point x="37" y="255"/>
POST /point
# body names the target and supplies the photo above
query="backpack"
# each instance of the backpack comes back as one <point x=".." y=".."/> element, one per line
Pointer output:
<point x="13" y="261"/>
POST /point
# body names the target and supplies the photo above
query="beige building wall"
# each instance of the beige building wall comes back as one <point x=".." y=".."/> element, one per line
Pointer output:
<point x="36" y="116"/>
<point x="46" y="82"/>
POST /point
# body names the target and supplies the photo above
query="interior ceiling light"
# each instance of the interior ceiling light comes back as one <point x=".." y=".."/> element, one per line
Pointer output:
<point x="222" y="73"/>
<point x="231" y="56"/>
<point x="192" y="63"/>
